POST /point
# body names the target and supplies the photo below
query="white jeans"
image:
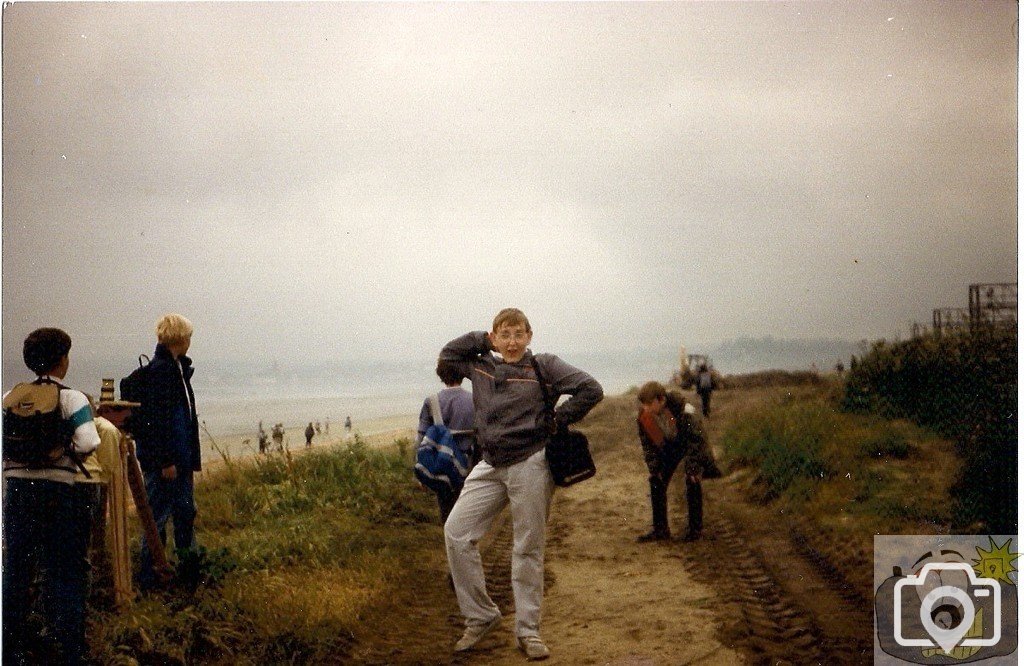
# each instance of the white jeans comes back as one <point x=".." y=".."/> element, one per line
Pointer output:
<point x="527" y="488"/>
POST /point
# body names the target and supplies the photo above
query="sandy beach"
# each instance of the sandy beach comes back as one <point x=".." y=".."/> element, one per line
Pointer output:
<point x="375" y="432"/>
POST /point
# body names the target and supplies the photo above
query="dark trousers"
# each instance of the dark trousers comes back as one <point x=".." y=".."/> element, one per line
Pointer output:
<point x="46" y="530"/>
<point x="445" y="502"/>
<point x="668" y="462"/>
<point x="705" y="402"/>
<point x="168" y="499"/>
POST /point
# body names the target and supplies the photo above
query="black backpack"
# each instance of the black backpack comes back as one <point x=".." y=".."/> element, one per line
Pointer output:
<point x="133" y="389"/>
<point x="36" y="435"/>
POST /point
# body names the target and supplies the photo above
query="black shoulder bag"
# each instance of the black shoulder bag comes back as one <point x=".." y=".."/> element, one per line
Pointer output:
<point x="568" y="452"/>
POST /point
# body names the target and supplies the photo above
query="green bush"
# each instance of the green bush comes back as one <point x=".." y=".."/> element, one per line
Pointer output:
<point x="200" y="566"/>
<point x="963" y="386"/>
<point x="887" y="444"/>
<point x="783" y="442"/>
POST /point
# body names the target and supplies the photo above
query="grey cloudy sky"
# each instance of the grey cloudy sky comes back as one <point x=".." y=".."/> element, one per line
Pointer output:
<point x="368" y="180"/>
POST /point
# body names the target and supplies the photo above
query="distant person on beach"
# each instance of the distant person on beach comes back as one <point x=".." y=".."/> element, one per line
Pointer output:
<point x="705" y="384"/>
<point x="278" y="434"/>
<point x="263" y="439"/>
<point x="310" y="431"/>
<point x="168" y="443"/>
<point x="348" y="425"/>
<point x="669" y="434"/>
<point x="317" y="427"/>
<point x="456" y="407"/>
<point x="513" y="428"/>
<point x="327" y="426"/>
<point x="47" y="517"/>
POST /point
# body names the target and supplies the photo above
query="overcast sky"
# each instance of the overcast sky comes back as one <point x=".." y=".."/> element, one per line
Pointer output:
<point x="347" y="180"/>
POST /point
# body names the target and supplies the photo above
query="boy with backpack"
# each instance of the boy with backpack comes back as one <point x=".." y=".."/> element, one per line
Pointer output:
<point x="513" y="427"/>
<point x="454" y="407"/>
<point x="705" y="384"/>
<point x="47" y="516"/>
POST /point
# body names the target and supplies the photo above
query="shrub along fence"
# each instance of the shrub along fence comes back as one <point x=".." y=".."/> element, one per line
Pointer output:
<point x="965" y="387"/>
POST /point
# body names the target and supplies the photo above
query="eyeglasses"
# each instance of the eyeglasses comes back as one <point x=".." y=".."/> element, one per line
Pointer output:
<point x="509" y="336"/>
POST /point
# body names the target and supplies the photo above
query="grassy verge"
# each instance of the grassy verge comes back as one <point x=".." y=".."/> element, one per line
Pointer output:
<point x="295" y="551"/>
<point x="887" y="476"/>
<point x="851" y="476"/>
<point x="964" y="386"/>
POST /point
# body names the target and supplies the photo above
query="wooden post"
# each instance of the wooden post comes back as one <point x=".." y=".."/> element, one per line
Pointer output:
<point x="131" y="475"/>
<point x="117" y="495"/>
<point x="161" y="566"/>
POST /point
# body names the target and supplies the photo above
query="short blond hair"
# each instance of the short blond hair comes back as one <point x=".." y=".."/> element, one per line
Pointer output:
<point x="511" y="317"/>
<point x="172" y="329"/>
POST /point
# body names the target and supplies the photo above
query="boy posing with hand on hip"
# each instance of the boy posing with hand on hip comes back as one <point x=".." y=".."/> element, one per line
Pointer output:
<point x="513" y="428"/>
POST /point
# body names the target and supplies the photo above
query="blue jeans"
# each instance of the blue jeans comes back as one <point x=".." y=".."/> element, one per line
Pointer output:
<point x="168" y="499"/>
<point x="46" y="529"/>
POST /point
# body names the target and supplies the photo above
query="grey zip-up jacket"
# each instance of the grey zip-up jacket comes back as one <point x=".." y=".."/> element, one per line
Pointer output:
<point x="511" y="421"/>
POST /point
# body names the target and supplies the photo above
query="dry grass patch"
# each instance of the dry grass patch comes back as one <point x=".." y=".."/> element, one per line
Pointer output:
<point x="299" y="601"/>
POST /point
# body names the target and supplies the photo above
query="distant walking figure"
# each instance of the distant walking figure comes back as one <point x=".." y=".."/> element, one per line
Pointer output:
<point x="263" y="439"/>
<point x="348" y="424"/>
<point x="310" y="431"/>
<point x="705" y="385"/>
<point x="278" y="435"/>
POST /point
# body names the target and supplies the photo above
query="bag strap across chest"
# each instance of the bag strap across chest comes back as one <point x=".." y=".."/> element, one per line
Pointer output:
<point x="549" y="402"/>
<point x="435" y="409"/>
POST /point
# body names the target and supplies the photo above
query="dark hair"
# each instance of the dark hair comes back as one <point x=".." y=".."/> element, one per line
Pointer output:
<point x="44" y="348"/>
<point x="448" y="374"/>
<point x="650" y="391"/>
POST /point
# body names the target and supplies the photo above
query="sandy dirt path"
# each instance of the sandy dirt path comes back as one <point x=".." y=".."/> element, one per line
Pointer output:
<point x="749" y="592"/>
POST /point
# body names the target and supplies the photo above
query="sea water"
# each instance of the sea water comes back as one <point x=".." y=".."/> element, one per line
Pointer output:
<point x="380" y="392"/>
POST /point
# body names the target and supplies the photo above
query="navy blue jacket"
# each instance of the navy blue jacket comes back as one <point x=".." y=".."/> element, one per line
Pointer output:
<point x="170" y="432"/>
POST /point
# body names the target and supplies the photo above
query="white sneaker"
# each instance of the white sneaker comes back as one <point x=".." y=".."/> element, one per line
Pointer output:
<point x="475" y="633"/>
<point x="533" y="647"/>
